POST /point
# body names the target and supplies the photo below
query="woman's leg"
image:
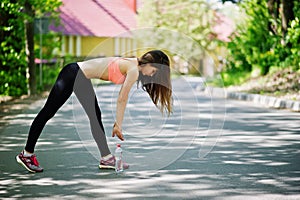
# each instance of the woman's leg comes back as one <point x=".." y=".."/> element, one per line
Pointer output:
<point x="59" y="94"/>
<point x="86" y="95"/>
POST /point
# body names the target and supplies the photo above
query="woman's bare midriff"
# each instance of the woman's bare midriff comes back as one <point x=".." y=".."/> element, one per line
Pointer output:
<point x="95" y="68"/>
<point x="98" y="68"/>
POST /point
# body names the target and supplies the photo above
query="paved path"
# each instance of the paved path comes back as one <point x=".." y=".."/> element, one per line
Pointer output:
<point x="210" y="148"/>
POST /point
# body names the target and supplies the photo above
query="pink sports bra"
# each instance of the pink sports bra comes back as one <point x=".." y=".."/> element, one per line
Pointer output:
<point x="114" y="73"/>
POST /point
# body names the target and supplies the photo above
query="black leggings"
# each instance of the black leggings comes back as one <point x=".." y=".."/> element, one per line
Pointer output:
<point x="70" y="79"/>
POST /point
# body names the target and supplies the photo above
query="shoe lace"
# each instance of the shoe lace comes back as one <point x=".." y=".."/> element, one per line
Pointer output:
<point x="34" y="160"/>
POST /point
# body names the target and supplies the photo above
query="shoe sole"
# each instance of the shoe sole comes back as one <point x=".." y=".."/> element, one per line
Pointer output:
<point x="20" y="162"/>
<point x="106" y="167"/>
<point x="109" y="167"/>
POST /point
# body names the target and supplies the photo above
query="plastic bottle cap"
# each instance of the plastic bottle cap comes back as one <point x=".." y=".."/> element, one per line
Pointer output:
<point x="118" y="145"/>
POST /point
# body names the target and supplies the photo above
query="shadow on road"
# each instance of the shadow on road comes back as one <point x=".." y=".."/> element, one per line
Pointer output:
<point x="256" y="157"/>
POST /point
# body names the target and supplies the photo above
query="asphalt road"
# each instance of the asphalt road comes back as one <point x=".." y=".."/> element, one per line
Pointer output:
<point x="210" y="148"/>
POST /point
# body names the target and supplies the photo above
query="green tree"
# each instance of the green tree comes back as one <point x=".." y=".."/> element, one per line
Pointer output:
<point x="12" y="51"/>
<point x="17" y="43"/>
<point x="266" y="38"/>
<point x="172" y="21"/>
<point x="35" y="8"/>
<point x="250" y="48"/>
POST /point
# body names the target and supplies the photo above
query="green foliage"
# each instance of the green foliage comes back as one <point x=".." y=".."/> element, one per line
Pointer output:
<point x="13" y="63"/>
<point x="49" y="72"/>
<point x="50" y="45"/>
<point x="234" y="77"/>
<point x="251" y="47"/>
<point x="293" y="41"/>
<point x="12" y="54"/>
<point x="256" y="49"/>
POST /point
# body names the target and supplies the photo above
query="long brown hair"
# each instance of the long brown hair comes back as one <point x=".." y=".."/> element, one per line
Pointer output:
<point x="159" y="85"/>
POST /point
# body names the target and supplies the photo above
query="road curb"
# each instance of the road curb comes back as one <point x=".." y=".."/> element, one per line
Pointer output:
<point x="268" y="101"/>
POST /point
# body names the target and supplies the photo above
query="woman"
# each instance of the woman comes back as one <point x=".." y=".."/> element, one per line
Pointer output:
<point x="152" y="70"/>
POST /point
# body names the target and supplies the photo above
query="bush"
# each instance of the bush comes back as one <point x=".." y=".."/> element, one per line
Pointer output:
<point x="255" y="48"/>
<point x="12" y="55"/>
<point x="293" y="40"/>
<point x="234" y="77"/>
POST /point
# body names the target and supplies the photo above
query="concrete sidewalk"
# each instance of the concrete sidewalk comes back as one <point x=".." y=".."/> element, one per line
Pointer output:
<point x="257" y="99"/>
<point x="266" y="101"/>
<point x="210" y="148"/>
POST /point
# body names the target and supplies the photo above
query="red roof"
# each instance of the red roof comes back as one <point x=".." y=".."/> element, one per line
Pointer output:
<point x="102" y="18"/>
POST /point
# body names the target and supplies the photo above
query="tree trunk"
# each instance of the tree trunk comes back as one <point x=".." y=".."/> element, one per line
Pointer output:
<point x="273" y="8"/>
<point x="29" y="35"/>
<point x="287" y="14"/>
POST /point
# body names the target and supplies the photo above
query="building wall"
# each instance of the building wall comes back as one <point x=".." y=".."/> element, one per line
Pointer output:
<point x="96" y="46"/>
<point x="88" y="46"/>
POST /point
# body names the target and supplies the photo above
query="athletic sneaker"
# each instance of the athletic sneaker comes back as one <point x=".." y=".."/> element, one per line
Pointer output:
<point x="30" y="163"/>
<point x="110" y="163"/>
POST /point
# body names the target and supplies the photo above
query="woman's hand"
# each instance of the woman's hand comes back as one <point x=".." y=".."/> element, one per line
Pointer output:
<point x="117" y="131"/>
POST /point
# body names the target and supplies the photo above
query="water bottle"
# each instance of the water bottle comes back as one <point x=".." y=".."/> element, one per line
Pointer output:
<point x="118" y="156"/>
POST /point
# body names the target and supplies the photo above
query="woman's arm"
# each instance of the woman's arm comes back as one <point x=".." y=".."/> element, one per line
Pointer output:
<point x="131" y="77"/>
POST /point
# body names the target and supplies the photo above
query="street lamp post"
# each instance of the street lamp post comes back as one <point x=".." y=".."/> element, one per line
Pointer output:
<point x="41" y="27"/>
